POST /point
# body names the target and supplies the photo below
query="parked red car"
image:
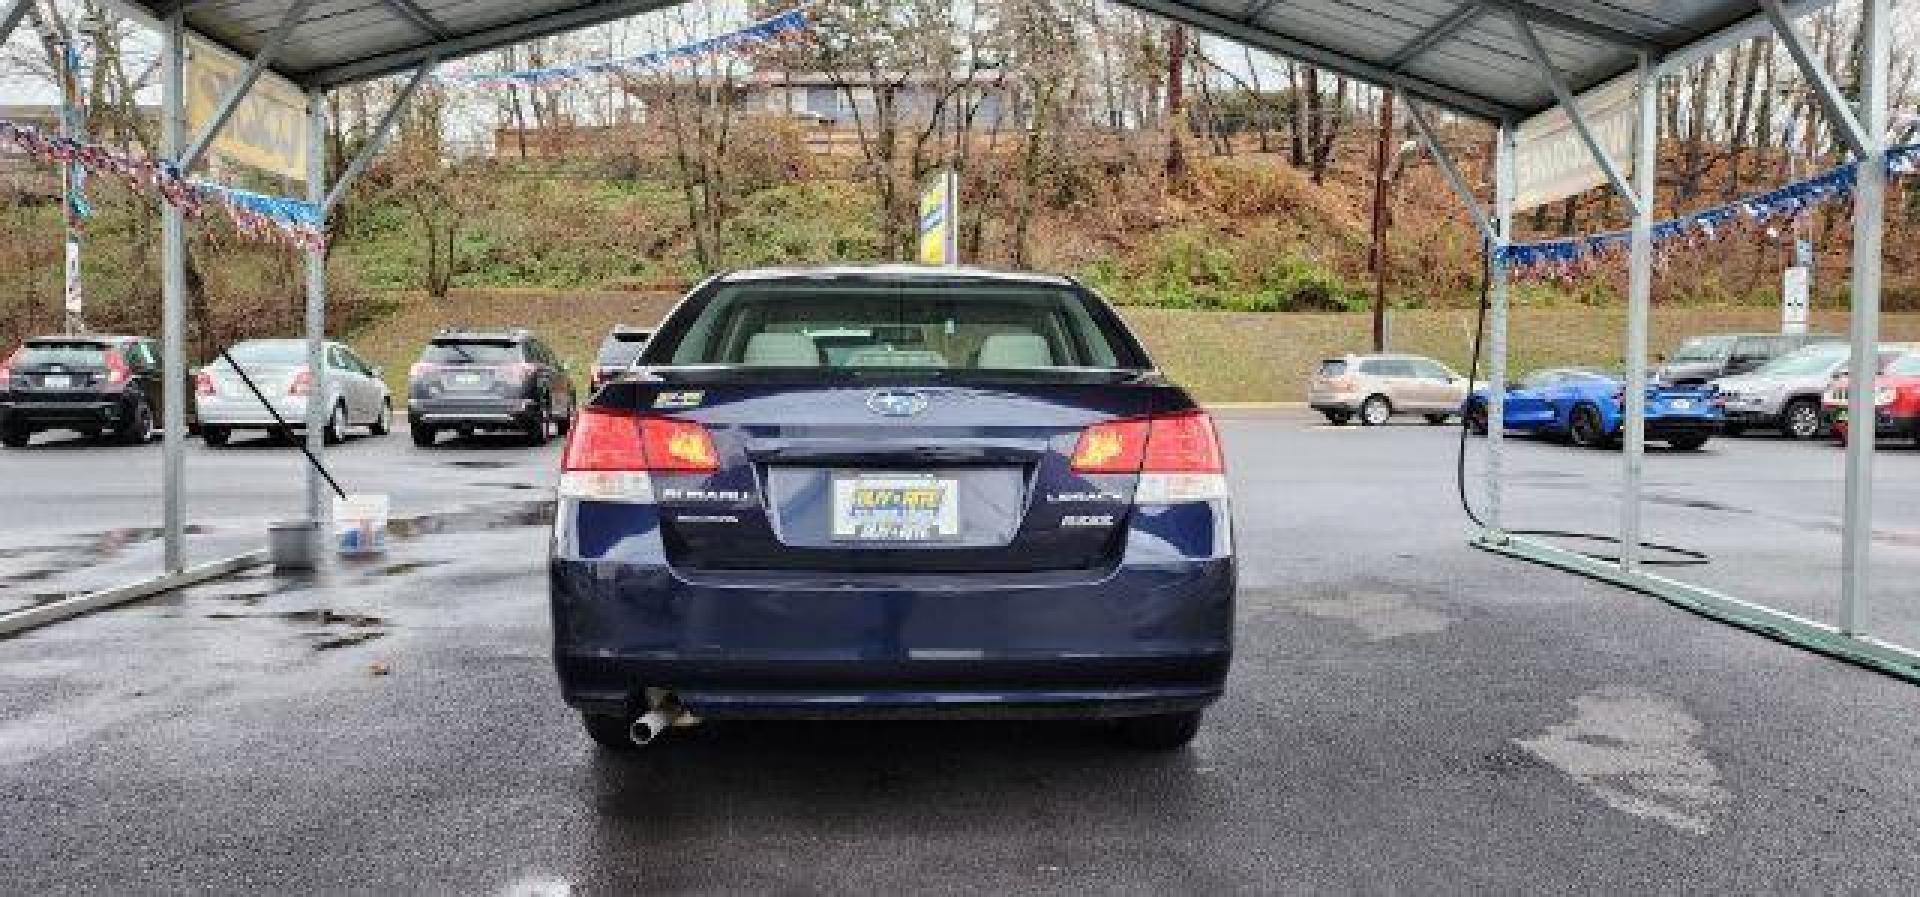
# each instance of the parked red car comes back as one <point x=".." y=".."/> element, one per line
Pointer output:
<point x="1896" y="399"/>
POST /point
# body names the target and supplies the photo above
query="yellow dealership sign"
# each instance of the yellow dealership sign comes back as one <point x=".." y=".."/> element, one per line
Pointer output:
<point x="269" y="129"/>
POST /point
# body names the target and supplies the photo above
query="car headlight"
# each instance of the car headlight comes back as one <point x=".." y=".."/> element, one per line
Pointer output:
<point x="1883" y="395"/>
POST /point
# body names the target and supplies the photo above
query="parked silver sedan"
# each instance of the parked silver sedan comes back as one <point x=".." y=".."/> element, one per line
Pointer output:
<point x="278" y="367"/>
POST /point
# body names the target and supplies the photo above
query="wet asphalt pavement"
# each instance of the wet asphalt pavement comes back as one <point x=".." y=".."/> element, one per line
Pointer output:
<point x="1406" y="714"/>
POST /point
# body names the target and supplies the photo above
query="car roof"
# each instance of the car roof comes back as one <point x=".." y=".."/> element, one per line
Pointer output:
<point x="81" y="338"/>
<point x="893" y="272"/>
<point x="516" y="334"/>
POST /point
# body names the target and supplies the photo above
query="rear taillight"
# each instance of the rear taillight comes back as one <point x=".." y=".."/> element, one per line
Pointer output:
<point x="203" y="385"/>
<point x="1116" y="446"/>
<point x="301" y="384"/>
<point x="610" y="454"/>
<point x="1183" y="443"/>
<point x="6" y="370"/>
<point x="117" y="371"/>
<point x="519" y="372"/>
<point x="421" y="369"/>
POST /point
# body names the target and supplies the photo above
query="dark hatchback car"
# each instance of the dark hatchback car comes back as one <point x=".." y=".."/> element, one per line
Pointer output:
<point x="473" y="381"/>
<point x="892" y="492"/>
<point x="97" y="385"/>
<point x="618" y="352"/>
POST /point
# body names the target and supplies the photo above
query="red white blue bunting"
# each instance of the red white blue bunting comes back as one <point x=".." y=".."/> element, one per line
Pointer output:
<point x="1566" y="259"/>
<point x="785" y="26"/>
<point x="256" y="216"/>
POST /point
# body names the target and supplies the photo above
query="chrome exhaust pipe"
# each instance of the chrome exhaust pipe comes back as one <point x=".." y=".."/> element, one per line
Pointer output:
<point x="648" y="726"/>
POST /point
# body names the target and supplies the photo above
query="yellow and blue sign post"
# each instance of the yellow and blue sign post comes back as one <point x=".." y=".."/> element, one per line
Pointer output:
<point x="939" y="220"/>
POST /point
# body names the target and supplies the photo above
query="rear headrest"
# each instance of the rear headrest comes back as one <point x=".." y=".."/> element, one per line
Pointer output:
<point x="1015" y="350"/>
<point x="784" y="350"/>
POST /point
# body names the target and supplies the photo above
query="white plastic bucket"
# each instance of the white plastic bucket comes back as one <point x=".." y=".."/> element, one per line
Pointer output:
<point x="360" y="524"/>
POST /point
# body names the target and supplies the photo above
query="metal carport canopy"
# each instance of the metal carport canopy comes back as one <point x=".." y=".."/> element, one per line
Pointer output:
<point x="1463" y="55"/>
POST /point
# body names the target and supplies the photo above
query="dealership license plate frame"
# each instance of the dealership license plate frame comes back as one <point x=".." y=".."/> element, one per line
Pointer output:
<point x="889" y="507"/>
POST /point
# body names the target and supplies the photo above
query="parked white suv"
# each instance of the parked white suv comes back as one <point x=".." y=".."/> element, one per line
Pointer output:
<point x="1374" y="388"/>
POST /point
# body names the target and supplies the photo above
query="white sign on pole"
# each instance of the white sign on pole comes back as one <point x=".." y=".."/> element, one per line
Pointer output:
<point x="1550" y="160"/>
<point x="1795" y="296"/>
<point x="73" y="296"/>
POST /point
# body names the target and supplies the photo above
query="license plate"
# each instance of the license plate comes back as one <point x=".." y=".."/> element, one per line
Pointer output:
<point x="895" y="508"/>
<point x="1680" y="404"/>
<point x="468" y="381"/>
<point x="56" y="381"/>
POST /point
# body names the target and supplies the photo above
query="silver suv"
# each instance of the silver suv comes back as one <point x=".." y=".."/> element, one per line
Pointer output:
<point x="1784" y="394"/>
<point x="1374" y="388"/>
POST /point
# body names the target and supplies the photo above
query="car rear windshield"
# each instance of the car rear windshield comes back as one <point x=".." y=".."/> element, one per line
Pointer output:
<point x="1704" y="348"/>
<point x="1906" y="366"/>
<point x="620" y="350"/>
<point x="1333" y="367"/>
<point x="74" y="353"/>
<point x="861" y="325"/>
<point x="471" y="352"/>
<point x="279" y="351"/>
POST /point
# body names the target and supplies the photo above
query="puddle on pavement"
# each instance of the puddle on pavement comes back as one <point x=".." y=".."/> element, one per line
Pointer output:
<point x="481" y="465"/>
<point x="81" y="550"/>
<point x="484" y="518"/>
<point x="405" y="567"/>
<point x="516" y="487"/>
<point x="329" y="643"/>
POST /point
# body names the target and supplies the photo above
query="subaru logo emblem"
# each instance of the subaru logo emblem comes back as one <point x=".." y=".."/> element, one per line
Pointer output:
<point x="896" y="403"/>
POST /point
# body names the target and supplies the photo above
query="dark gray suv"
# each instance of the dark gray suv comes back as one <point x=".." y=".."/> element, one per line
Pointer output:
<point x="474" y="381"/>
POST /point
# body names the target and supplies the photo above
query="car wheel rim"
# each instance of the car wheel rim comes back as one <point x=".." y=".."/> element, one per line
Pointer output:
<point x="1376" y="413"/>
<point x="1803" y="422"/>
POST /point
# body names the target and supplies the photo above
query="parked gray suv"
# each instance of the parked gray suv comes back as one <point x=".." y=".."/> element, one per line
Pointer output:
<point x="1784" y="394"/>
<point x="469" y="381"/>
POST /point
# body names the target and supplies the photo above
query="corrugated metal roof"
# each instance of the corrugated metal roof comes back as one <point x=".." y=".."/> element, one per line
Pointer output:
<point x="1464" y="55"/>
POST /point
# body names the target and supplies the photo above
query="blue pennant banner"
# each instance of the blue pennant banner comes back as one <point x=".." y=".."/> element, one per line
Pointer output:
<point x="784" y="26"/>
<point x="1568" y="258"/>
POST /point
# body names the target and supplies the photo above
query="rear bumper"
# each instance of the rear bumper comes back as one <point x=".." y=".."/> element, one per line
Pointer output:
<point x="1887" y="423"/>
<point x="89" y="413"/>
<point x="444" y="412"/>
<point x="1154" y="634"/>
<point x="246" y="412"/>
<point x="1669" y="427"/>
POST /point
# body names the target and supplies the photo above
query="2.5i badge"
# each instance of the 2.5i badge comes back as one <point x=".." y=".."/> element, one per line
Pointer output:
<point x="688" y="399"/>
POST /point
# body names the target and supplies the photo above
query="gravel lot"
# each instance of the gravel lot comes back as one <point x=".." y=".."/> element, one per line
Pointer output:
<point x="1406" y="714"/>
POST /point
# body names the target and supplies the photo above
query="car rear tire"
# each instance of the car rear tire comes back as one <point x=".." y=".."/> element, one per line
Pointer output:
<point x="564" y="423"/>
<point x="215" y="436"/>
<point x="1585" y="428"/>
<point x="14" y="437"/>
<point x="539" y="430"/>
<point x="335" y="431"/>
<point x="1375" y="411"/>
<point x="138" y="428"/>
<point x="609" y="732"/>
<point x="1477" y="419"/>
<point x="1733" y="429"/>
<point x="1438" y="420"/>
<point x="423" y="435"/>
<point x="1338" y="418"/>
<point x="383" y="422"/>
<point x="1691" y="442"/>
<point x="1801" y="419"/>
<point x="1159" y="732"/>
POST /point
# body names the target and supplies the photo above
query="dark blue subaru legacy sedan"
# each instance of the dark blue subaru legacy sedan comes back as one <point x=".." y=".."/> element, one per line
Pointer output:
<point x="892" y="492"/>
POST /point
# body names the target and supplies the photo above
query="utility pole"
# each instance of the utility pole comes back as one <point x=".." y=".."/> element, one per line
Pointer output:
<point x="1377" y="258"/>
<point x="65" y="56"/>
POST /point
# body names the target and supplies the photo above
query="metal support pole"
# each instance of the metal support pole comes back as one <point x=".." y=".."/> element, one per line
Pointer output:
<point x="1497" y="290"/>
<point x="318" y="407"/>
<point x="1646" y="160"/>
<point x="11" y="12"/>
<point x="1569" y="103"/>
<point x="378" y="138"/>
<point x="1869" y="216"/>
<point x="173" y="293"/>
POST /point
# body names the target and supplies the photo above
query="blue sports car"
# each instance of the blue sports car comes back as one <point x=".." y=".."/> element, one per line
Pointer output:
<point x="892" y="491"/>
<point x="1586" y="407"/>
